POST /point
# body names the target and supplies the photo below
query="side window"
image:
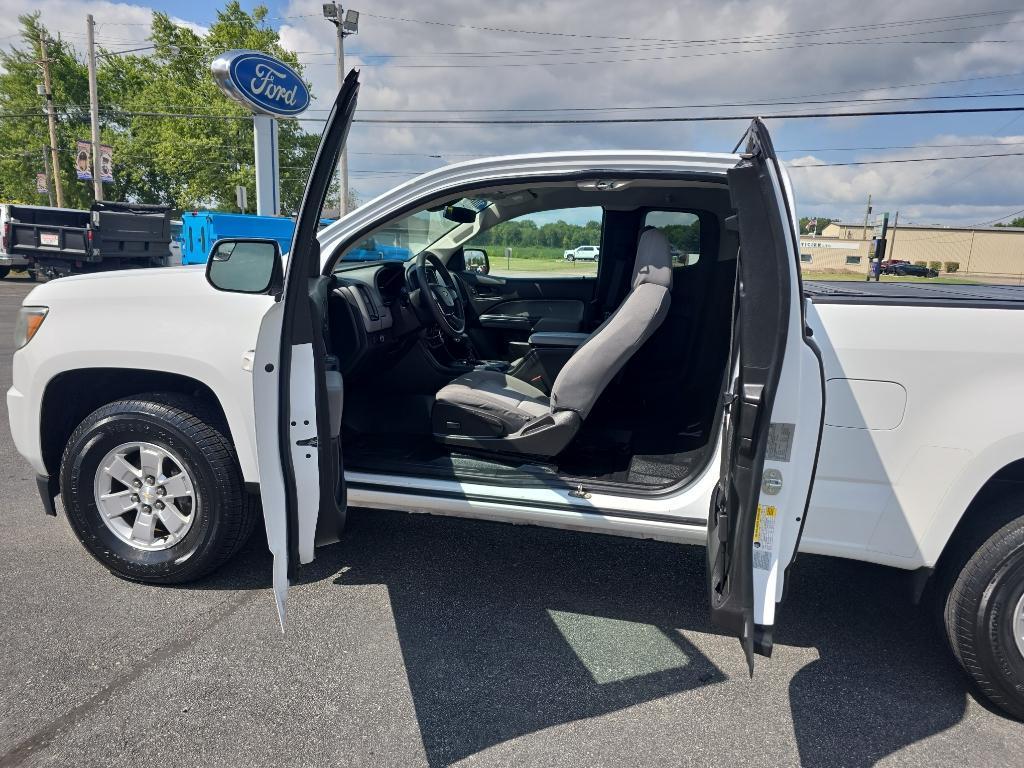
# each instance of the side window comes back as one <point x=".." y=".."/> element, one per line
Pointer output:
<point x="683" y="232"/>
<point x="806" y="258"/>
<point x="554" y="243"/>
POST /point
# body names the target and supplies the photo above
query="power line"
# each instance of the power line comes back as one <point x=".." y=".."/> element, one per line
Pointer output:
<point x="1001" y="218"/>
<point x="899" y="146"/>
<point x="651" y="108"/>
<point x="569" y="121"/>
<point x="907" y="160"/>
<point x="549" y="33"/>
<point x="647" y="46"/>
<point x="685" y="119"/>
<point x="515" y="64"/>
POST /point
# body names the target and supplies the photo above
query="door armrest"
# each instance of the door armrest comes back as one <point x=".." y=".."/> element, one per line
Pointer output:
<point x="557" y="339"/>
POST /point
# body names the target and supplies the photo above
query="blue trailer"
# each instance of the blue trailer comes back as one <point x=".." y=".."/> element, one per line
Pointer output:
<point x="201" y="229"/>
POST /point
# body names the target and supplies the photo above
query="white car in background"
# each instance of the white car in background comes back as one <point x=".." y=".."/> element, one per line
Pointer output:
<point x="586" y="253"/>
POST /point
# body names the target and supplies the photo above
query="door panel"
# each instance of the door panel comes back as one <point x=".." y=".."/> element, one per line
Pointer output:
<point x="298" y="456"/>
<point x="508" y="309"/>
<point x="774" y="410"/>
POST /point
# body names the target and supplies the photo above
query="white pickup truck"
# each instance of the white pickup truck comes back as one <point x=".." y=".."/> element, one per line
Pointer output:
<point x="716" y="401"/>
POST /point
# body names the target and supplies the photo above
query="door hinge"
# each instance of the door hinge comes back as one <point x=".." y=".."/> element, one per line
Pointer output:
<point x="309" y="442"/>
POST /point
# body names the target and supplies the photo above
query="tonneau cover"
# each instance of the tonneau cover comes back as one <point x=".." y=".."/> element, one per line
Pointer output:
<point x="914" y="294"/>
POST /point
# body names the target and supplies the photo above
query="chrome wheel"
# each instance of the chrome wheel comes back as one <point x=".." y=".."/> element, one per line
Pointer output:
<point x="1018" y="625"/>
<point x="145" y="496"/>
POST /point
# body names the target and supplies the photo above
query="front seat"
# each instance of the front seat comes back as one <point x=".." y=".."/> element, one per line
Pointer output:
<point x="493" y="411"/>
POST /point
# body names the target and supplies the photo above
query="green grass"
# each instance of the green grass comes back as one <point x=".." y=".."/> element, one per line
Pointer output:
<point x="519" y="265"/>
<point x="544" y="253"/>
<point x="853" y="276"/>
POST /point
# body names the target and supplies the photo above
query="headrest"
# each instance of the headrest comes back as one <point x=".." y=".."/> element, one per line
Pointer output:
<point x="653" y="259"/>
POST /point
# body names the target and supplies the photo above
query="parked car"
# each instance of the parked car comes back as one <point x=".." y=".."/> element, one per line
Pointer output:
<point x="887" y="266"/>
<point x="799" y="429"/>
<point x="905" y="268"/>
<point x="175" y="244"/>
<point x="586" y="253"/>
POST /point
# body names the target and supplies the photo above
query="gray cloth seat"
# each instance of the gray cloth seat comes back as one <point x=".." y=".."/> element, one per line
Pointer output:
<point x="496" y="412"/>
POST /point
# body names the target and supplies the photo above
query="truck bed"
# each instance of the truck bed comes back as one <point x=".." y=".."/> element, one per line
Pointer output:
<point x="915" y="294"/>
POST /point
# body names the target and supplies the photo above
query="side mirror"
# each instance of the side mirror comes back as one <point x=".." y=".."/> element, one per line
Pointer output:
<point x="246" y="265"/>
<point x="476" y="260"/>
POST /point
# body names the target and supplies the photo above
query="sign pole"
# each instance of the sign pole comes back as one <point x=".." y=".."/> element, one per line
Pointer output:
<point x="268" y="201"/>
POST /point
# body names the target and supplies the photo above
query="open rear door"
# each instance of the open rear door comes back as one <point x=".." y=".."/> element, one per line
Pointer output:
<point x="774" y="406"/>
<point x="296" y="394"/>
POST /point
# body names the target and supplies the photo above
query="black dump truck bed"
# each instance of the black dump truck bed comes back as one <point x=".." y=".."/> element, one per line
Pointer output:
<point x="915" y="294"/>
<point x="36" y="231"/>
<point x="110" y="235"/>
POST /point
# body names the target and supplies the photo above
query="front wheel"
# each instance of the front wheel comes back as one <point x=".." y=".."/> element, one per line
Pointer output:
<point x="152" y="489"/>
<point x="984" y="611"/>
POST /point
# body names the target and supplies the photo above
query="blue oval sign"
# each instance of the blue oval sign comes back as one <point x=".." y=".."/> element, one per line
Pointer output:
<point x="262" y="83"/>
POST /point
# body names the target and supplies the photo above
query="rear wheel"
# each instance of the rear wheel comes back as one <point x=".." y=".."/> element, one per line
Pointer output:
<point x="152" y="488"/>
<point x="4" y="272"/>
<point x="984" y="609"/>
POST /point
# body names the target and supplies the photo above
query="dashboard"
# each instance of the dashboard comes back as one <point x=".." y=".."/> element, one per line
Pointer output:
<point x="369" y="313"/>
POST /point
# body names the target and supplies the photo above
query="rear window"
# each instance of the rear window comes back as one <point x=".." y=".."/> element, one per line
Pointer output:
<point x="682" y="229"/>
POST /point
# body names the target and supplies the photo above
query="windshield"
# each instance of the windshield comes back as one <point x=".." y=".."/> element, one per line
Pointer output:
<point x="408" y="236"/>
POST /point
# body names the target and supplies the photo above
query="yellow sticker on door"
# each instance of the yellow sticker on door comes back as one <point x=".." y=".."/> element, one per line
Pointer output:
<point x="764" y="536"/>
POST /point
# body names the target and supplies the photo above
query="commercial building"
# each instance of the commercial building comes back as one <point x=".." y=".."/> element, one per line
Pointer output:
<point x="984" y="253"/>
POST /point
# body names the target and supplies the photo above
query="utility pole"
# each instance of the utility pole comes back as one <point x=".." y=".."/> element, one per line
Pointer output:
<point x="867" y="215"/>
<point x="344" y="26"/>
<point x="49" y="177"/>
<point x="51" y="115"/>
<point x="94" y="108"/>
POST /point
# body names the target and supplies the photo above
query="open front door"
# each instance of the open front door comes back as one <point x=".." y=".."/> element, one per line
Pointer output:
<point x="297" y="397"/>
<point x="774" y="405"/>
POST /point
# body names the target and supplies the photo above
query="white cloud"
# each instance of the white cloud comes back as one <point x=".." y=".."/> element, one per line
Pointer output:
<point x="636" y="72"/>
<point x="968" y="191"/>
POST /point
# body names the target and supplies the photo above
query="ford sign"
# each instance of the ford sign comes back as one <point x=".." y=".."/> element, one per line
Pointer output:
<point x="261" y="82"/>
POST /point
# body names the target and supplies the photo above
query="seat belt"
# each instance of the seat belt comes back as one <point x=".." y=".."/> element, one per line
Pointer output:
<point x="612" y="287"/>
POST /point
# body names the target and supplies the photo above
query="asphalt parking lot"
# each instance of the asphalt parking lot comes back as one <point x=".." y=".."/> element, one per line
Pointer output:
<point x="435" y="641"/>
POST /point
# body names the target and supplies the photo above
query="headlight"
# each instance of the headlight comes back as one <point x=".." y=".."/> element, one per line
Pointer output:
<point x="29" y="321"/>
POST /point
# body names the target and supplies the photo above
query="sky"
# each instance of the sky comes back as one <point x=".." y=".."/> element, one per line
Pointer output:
<point x="449" y="57"/>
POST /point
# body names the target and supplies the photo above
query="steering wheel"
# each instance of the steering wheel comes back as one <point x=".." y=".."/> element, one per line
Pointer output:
<point x="441" y="293"/>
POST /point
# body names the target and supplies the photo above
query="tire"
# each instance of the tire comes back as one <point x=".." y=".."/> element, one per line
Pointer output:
<point x="981" y="605"/>
<point x="32" y="275"/>
<point x="4" y="272"/>
<point x="218" y="515"/>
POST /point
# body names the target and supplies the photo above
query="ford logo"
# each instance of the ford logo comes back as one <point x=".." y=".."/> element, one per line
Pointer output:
<point x="262" y="83"/>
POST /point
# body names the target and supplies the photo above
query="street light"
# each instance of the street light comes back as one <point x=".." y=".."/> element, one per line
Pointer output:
<point x="345" y="25"/>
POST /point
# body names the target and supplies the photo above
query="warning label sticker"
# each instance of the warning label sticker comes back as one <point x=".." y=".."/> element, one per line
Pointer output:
<point x="764" y="536"/>
<point x="780" y="441"/>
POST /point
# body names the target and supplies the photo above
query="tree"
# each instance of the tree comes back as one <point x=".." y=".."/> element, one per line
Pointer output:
<point x="190" y="162"/>
<point x="23" y="133"/>
<point x="1018" y="222"/>
<point x="183" y="161"/>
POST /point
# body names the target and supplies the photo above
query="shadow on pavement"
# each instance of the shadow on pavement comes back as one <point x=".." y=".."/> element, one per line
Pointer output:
<point x="509" y="630"/>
